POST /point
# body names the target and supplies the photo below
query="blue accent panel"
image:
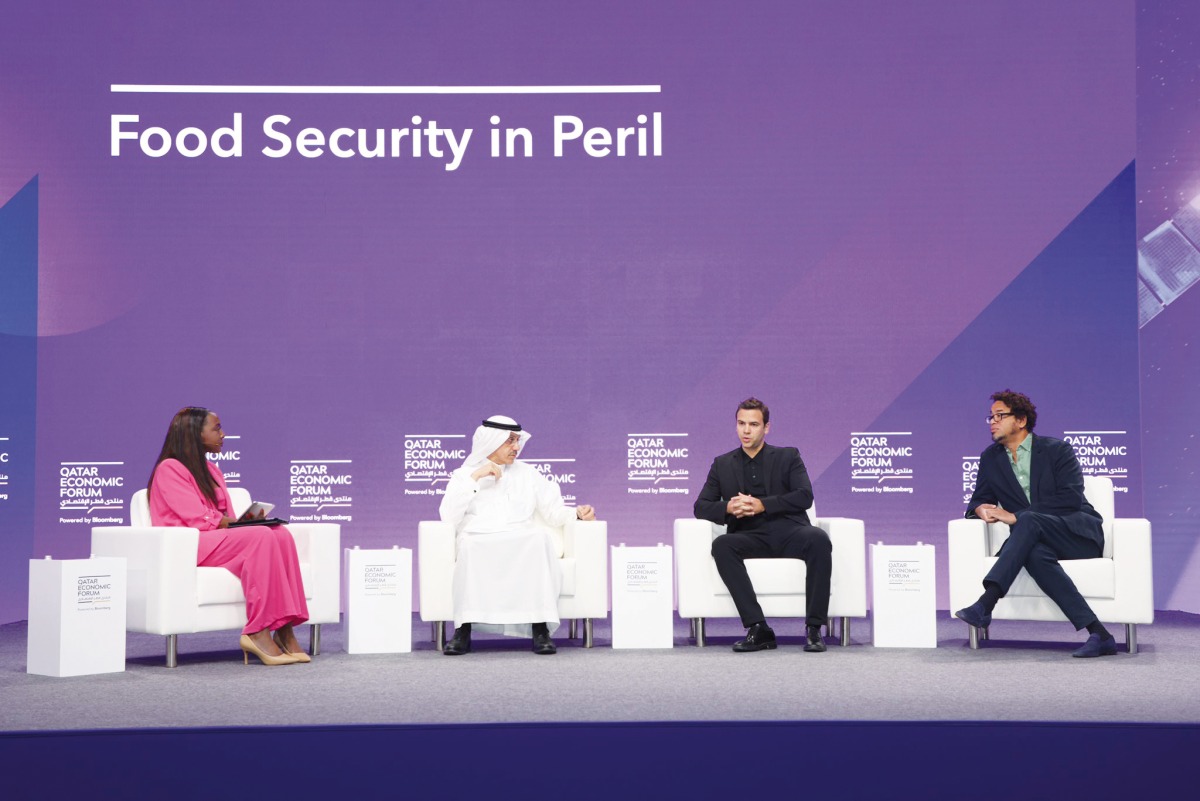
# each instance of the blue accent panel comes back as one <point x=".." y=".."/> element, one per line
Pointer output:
<point x="18" y="263"/>
<point x="18" y="395"/>
<point x="1064" y="332"/>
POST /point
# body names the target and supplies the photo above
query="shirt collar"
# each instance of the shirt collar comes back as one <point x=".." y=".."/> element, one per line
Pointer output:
<point x="745" y="457"/>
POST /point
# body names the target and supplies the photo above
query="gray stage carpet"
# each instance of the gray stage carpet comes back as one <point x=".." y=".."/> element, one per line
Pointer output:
<point x="1024" y="673"/>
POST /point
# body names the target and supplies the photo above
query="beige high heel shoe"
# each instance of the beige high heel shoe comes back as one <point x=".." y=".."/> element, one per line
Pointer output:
<point x="299" y="656"/>
<point x="248" y="647"/>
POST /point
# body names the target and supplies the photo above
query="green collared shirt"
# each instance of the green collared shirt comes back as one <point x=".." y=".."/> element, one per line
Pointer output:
<point x="1021" y="466"/>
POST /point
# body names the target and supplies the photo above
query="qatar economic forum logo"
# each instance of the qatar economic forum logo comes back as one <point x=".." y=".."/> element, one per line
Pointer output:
<point x="319" y="490"/>
<point x="881" y="462"/>
<point x="656" y="464"/>
<point x="561" y="471"/>
<point x="1102" y="453"/>
<point x="429" y="459"/>
<point x="91" y="493"/>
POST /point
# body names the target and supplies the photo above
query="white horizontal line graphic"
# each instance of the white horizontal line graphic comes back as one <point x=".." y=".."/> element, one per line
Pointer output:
<point x="235" y="89"/>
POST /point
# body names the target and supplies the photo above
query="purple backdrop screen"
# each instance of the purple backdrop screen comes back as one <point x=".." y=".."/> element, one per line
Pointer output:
<point x="354" y="230"/>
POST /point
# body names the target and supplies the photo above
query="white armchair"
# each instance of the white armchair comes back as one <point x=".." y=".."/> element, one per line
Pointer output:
<point x="170" y="595"/>
<point x="1119" y="586"/>
<point x="582" y="547"/>
<point x="778" y="583"/>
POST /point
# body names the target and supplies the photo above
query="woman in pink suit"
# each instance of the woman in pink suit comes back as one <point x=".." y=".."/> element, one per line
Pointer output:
<point x="188" y="490"/>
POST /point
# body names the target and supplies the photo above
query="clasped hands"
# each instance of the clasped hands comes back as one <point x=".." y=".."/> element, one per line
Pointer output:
<point x="743" y="505"/>
<point x="991" y="513"/>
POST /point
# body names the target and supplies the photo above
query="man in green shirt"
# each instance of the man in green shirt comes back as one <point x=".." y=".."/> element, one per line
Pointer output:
<point x="1035" y="485"/>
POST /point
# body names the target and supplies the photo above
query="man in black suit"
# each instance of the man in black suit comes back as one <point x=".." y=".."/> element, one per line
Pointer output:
<point x="1035" y="485"/>
<point x="760" y="493"/>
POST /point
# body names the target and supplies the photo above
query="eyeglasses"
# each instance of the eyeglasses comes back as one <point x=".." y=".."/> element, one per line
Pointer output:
<point x="998" y="416"/>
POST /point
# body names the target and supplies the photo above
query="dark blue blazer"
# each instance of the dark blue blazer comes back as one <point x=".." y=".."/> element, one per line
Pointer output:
<point x="789" y="492"/>
<point x="1055" y="482"/>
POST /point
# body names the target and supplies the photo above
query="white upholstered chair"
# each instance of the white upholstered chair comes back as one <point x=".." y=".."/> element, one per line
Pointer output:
<point x="778" y="583"/>
<point x="170" y="595"/>
<point x="1119" y="586"/>
<point x="582" y="547"/>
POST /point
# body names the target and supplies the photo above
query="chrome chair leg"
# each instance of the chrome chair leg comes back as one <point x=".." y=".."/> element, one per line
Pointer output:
<point x="845" y="631"/>
<point x="1131" y="637"/>
<point x="172" y="650"/>
<point x="699" y="632"/>
<point x="571" y="629"/>
<point x="587" y="632"/>
<point x="314" y="639"/>
<point x="973" y="638"/>
<point x="439" y="634"/>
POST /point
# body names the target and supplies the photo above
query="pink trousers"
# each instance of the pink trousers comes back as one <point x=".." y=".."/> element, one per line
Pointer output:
<point x="265" y="559"/>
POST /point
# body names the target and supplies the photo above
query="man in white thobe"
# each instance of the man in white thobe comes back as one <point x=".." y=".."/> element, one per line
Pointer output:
<point x="507" y="575"/>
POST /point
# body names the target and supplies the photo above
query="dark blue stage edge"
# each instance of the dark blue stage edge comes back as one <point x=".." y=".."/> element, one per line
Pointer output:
<point x="619" y="760"/>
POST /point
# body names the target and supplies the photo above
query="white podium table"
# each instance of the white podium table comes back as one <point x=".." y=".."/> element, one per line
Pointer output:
<point x="378" y="600"/>
<point x="76" y="616"/>
<point x="642" y="597"/>
<point x="904" y="596"/>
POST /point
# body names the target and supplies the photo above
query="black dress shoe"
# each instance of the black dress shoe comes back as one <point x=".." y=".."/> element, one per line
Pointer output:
<point x="759" y="637"/>
<point x="814" y="645"/>
<point x="542" y="644"/>
<point x="460" y="643"/>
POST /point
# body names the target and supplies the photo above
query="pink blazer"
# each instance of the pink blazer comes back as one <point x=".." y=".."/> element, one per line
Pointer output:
<point x="176" y="500"/>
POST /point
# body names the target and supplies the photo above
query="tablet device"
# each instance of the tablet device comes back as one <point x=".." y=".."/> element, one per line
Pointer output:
<point x="260" y="507"/>
<point x="264" y="521"/>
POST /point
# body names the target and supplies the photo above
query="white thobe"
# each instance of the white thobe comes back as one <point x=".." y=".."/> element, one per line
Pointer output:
<point x="507" y="573"/>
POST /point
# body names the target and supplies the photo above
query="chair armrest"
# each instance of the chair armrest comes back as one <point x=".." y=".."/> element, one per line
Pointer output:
<point x="849" y="577"/>
<point x="1133" y="569"/>
<point x="435" y="569"/>
<point x="582" y="538"/>
<point x="587" y="542"/>
<point x="968" y="547"/>
<point x="161" y="563"/>
<point x="320" y="545"/>
<point x="693" y="563"/>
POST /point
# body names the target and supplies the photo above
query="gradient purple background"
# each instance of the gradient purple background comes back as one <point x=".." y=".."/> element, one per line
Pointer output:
<point x="1168" y="89"/>
<point x="844" y="195"/>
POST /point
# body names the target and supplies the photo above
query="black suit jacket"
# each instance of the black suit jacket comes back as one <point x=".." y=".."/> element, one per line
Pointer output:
<point x="789" y="492"/>
<point x="1055" y="482"/>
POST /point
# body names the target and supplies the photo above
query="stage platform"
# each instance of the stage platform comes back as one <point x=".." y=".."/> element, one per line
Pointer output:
<point x="1018" y="718"/>
<point x="1024" y="673"/>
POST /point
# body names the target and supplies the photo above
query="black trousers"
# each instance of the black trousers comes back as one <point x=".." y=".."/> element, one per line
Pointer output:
<point x="777" y="539"/>
<point x="1037" y="542"/>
